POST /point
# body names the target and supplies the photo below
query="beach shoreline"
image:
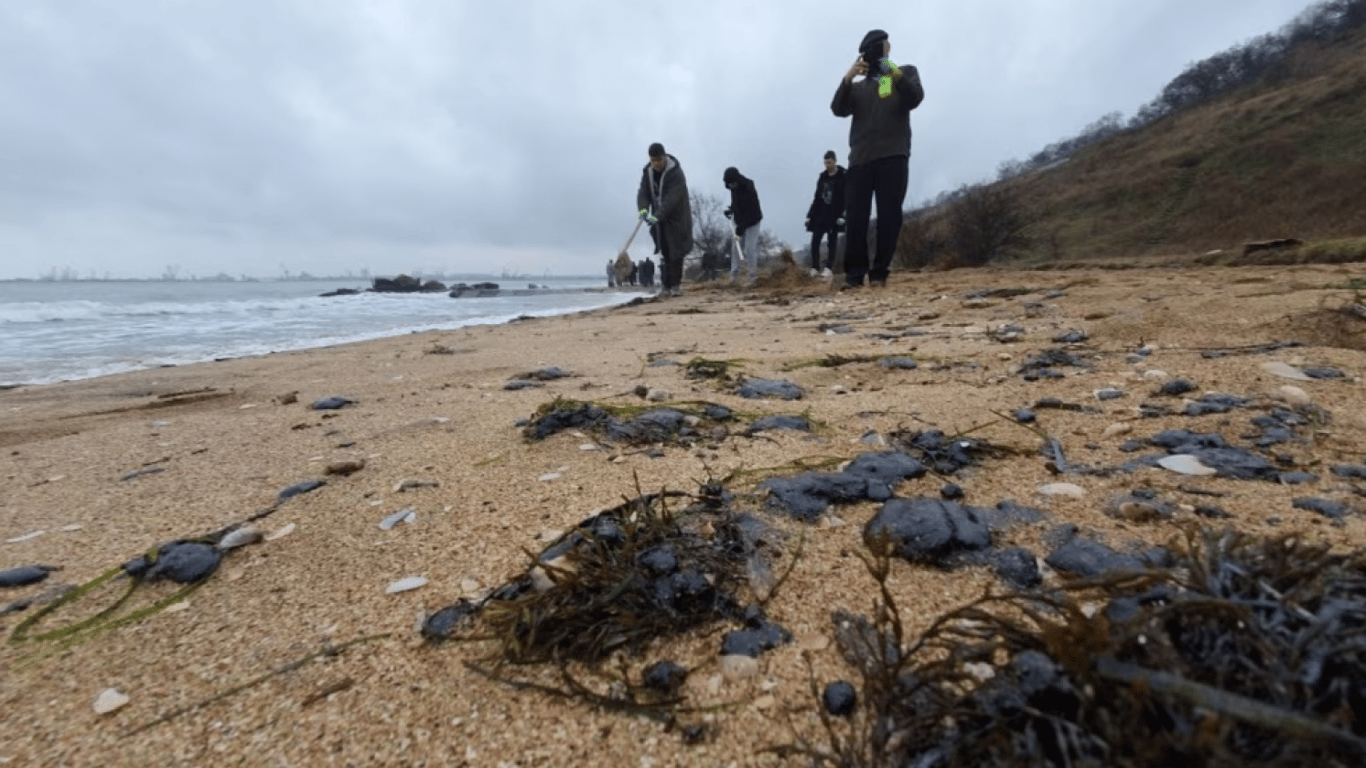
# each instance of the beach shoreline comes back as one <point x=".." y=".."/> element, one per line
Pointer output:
<point x="109" y="467"/>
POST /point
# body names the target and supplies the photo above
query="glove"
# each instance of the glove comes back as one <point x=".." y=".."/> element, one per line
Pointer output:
<point x="651" y="220"/>
<point x="727" y="213"/>
<point x="644" y="214"/>
<point x="884" y="83"/>
<point x="839" y="222"/>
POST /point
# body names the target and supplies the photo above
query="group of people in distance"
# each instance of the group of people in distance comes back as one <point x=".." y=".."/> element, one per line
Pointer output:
<point x="878" y="96"/>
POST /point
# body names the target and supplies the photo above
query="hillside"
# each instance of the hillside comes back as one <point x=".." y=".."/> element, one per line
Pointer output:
<point x="1278" y="159"/>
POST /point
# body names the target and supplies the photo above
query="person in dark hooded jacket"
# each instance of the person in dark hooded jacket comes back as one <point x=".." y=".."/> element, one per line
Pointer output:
<point x="825" y="217"/>
<point x="879" y="106"/>
<point x="744" y="208"/>
<point x="664" y="205"/>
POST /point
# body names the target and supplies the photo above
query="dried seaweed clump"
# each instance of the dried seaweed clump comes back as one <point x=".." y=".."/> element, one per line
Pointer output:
<point x="621" y="579"/>
<point x="1250" y="652"/>
<point x="632" y="425"/>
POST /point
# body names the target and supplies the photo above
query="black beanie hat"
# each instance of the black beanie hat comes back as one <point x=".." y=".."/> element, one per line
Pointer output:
<point x="872" y="38"/>
<point x="730" y="175"/>
<point x="656" y="150"/>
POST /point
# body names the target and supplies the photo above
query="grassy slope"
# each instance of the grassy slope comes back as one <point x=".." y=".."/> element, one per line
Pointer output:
<point x="1276" y="161"/>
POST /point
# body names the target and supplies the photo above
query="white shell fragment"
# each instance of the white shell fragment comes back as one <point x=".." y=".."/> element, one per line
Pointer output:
<point x="239" y="537"/>
<point x="406" y="584"/>
<point x="1185" y="464"/>
<point x="1285" y="371"/>
<point x="25" y="537"/>
<point x="737" y="666"/>
<point x="110" y="700"/>
<point x="401" y="516"/>
<point x="281" y="533"/>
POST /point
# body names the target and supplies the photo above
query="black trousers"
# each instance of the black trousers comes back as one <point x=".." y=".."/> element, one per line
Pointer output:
<point x="833" y="237"/>
<point x="885" y="178"/>
<point x="670" y="268"/>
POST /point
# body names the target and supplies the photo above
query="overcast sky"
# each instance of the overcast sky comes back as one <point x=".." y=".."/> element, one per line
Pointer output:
<point x="329" y="136"/>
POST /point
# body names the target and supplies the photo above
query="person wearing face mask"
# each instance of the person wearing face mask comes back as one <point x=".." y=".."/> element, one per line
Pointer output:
<point x="879" y="106"/>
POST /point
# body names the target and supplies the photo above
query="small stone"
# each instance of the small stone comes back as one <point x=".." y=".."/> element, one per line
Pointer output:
<point x="110" y="700"/>
<point x="1155" y="374"/>
<point x="406" y="584"/>
<point x="658" y="396"/>
<point x="1185" y="464"/>
<point x="765" y="702"/>
<point x="469" y="586"/>
<point x="1294" y="395"/>
<point x="1062" y="489"/>
<point x="1285" y="371"/>
<point x="737" y="666"/>
<point x="839" y="698"/>
<point x="239" y="537"/>
<point x="345" y="467"/>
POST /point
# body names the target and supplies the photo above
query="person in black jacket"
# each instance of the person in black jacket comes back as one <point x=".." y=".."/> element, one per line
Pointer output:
<point x="825" y="217"/>
<point x="664" y="204"/>
<point x="879" y="153"/>
<point x="744" y="208"/>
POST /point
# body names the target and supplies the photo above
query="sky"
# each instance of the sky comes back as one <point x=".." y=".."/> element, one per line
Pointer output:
<point x="270" y="138"/>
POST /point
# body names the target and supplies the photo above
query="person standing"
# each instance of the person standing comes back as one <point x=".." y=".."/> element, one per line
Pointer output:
<point x="611" y="273"/>
<point x="825" y="217"/>
<point x="879" y="153"/>
<point x="664" y="205"/>
<point x="647" y="273"/>
<point x="744" y="207"/>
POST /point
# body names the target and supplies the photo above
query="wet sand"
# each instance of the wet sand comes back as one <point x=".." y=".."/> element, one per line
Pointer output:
<point x="206" y="446"/>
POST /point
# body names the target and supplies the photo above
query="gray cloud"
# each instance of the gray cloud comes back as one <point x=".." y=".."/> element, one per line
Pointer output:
<point x="438" y="134"/>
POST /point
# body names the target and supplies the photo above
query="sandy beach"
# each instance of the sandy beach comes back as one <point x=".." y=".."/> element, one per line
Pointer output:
<point x="109" y="468"/>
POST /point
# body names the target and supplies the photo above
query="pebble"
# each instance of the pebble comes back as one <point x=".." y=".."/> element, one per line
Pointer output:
<point x="110" y="700"/>
<point x="406" y="584"/>
<point x="1155" y="374"/>
<point x="239" y="537"/>
<point x="1062" y="489"/>
<point x="1285" y="371"/>
<point x="1294" y="395"/>
<point x="738" y="666"/>
<point x="1185" y="464"/>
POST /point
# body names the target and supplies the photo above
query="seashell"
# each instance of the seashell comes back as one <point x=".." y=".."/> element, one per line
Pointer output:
<point x="737" y="666"/>
<point x="239" y="537"/>
<point x="1185" y="464"/>
<point x="1118" y="428"/>
<point x="1062" y="489"/>
<point x="281" y="533"/>
<point x="406" y="584"/>
<point x="110" y="700"/>
<point x="25" y="537"/>
<point x="401" y="516"/>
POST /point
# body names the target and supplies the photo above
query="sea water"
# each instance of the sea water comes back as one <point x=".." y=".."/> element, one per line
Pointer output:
<point x="65" y="330"/>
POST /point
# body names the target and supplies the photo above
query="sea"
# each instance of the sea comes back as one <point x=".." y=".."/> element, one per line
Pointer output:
<point x="64" y="330"/>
